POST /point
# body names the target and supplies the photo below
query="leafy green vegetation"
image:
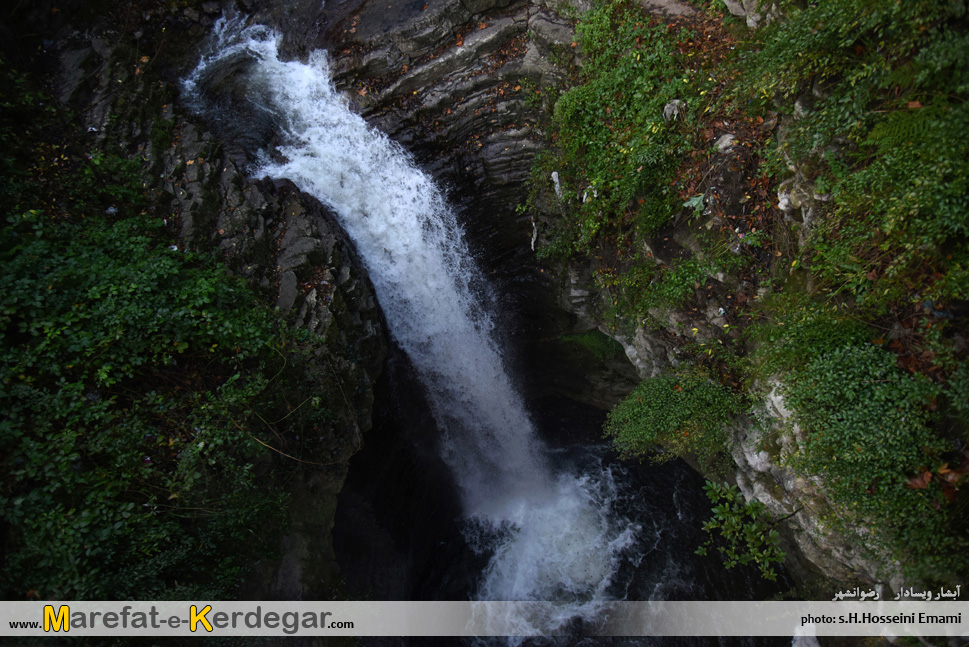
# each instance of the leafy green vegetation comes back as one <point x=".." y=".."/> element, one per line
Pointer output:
<point x="612" y="143"/>
<point x="619" y="138"/>
<point x="882" y="88"/>
<point x="860" y="309"/>
<point x="798" y="331"/>
<point x="742" y="532"/>
<point x="657" y="286"/>
<point x="684" y="413"/>
<point x="881" y="131"/>
<point x="136" y="381"/>
<point x="870" y="430"/>
<point x="107" y="438"/>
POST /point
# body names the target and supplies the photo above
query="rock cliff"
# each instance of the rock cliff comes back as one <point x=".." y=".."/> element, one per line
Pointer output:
<point x="120" y="76"/>
<point x="466" y="85"/>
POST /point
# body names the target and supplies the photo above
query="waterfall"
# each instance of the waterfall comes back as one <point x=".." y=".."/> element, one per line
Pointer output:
<point x="551" y="533"/>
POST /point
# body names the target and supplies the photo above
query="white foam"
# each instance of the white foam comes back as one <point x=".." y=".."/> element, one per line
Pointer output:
<point x="560" y="539"/>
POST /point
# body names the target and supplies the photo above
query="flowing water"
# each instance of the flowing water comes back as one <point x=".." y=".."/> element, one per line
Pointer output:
<point x="552" y="533"/>
<point x="548" y="525"/>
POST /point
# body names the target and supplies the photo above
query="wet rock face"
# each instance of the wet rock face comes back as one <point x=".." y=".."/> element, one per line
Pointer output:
<point x="291" y="246"/>
<point x="280" y="239"/>
<point x="285" y="243"/>
<point x="463" y="81"/>
<point x="465" y="86"/>
<point x="816" y="549"/>
<point x="235" y="112"/>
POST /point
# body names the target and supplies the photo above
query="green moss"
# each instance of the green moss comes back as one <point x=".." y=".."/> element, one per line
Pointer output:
<point x="602" y="346"/>
<point x="162" y="131"/>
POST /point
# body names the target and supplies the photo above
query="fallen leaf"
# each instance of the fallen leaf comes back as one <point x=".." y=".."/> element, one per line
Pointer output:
<point x="952" y="478"/>
<point x="921" y="481"/>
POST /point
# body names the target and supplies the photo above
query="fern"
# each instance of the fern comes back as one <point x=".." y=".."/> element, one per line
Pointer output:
<point x="907" y="126"/>
<point x="903" y="78"/>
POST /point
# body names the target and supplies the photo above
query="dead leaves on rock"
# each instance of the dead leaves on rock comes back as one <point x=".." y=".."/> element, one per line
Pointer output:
<point x="949" y="479"/>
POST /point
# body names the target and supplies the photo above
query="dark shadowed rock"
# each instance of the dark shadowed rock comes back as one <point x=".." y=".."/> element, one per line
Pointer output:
<point x="237" y="109"/>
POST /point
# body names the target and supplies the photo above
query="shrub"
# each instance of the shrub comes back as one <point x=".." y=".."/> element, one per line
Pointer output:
<point x="612" y="147"/>
<point x="869" y="433"/>
<point x="798" y="330"/>
<point x="135" y="380"/>
<point x="685" y="413"/>
<point x="128" y="377"/>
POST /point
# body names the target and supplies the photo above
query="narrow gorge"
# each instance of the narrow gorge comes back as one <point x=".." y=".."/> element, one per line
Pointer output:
<point x="441" y="203"/>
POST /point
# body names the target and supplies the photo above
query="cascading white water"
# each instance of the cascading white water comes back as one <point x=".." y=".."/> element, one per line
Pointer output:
<point x="553" y="535"/>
